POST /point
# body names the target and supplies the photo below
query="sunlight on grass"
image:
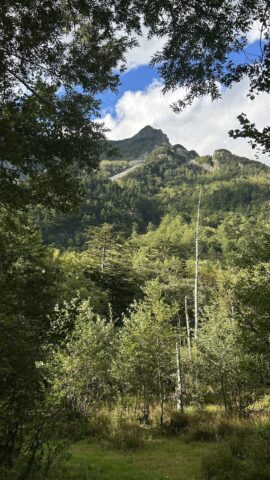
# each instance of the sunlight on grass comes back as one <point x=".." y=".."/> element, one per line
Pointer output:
<point x="172" y="459"/>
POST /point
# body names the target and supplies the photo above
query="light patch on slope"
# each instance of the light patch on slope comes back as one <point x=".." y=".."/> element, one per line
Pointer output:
<point x="203" y="126"/>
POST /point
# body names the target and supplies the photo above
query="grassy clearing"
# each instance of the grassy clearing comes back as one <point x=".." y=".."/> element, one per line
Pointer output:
<point x="198" y="444"/>
<point x="166" y="459"/>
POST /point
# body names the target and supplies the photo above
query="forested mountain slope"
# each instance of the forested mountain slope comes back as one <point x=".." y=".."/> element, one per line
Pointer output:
<point x="145" y="225"/>
<point x="166" y="179"/>
<point x="130" y="253"/>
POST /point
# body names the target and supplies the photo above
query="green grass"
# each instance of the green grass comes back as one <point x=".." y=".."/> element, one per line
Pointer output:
<point x="168" y="459"/>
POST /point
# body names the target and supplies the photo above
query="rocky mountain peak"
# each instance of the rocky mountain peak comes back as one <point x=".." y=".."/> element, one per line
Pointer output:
<point x="155" y="134"/>
<point x="140" y="145"/>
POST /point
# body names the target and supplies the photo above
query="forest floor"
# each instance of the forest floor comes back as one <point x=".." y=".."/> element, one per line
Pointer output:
<point x="166" y="459"/>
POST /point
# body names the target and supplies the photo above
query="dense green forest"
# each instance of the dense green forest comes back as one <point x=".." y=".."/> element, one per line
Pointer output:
<point x="134" y="274"/>
<point x="113" y="346"/>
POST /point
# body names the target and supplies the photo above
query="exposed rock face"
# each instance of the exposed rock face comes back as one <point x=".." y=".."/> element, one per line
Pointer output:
<point x="160" y="152"/>
<point x="152" y="134"/>
<point x="224" y="157"/>
<point x="140" y="145"/>
<point x="151" y="145"/>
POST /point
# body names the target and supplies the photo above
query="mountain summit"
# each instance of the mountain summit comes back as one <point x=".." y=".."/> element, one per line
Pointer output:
<point x="154" y="134"/>
<point x="140" y="145"/>
<point x="151" y="145"/>
<point x="150" y="178"/>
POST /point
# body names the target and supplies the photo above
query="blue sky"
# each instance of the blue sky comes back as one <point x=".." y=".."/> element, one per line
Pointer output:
<point x="202" y="127"/>
<point x="136" y="79"/>
<point x="140" y="77"/>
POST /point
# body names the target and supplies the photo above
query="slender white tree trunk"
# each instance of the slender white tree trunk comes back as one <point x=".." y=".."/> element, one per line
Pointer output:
<point x="179" y="371"/>
<point x="103" y="258"/>
<point x="188" y="328"/>
<point x="179" y="388"/>
<point x="196" y="283"/>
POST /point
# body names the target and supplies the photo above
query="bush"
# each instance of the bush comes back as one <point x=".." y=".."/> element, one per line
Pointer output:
<point x="224" y="427"/>
<point x="99" y="426"/>
<point x="126" y="435"/>
<point x="76" y="426"/>
<point x="196" y="425"/>
<point x="262" y="406"/>
<point x="204" y="425"/>
<point x="70" y="425"/>
<point x="241" y="458"/>
<point x="202" y="432"/>
<point x="179" y="421"/>
<point x="229" y="425"/>
<point x="46" y="463"/>
<point x="220" y="465"/>
<point x="263" y="430"/>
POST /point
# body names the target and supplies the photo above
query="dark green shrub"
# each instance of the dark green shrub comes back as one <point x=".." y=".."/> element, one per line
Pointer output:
<point x="202" y="432"/>
<point x="99" y="426"/>
<point x="224" y="427"/>
<point x="263" y="431"/>
<point x="179" y="421"/>
<point x="46" y="463"/>
<point x="243" y="457"/>
<point x="177" y="425"/>
<point x="70" y="425"/>
<point x="127" y="436"/>
<point x="220" y="465"/>
<point x="237" y="446"/>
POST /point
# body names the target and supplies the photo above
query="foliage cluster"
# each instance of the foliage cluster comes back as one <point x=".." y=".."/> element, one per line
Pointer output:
<point x="107" y="318"/>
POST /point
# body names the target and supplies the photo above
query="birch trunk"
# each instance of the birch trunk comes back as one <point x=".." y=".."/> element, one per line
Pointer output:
<point x="161" y="396"/>
<point x="103" y="257"/>
<point x="179" y="389"/>
<point x="196" y="283"/>
<point x="188" y="328"/>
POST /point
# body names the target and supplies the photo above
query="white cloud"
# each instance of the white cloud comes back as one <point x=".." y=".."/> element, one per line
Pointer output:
<point x="142" y="54"/>
<point x="203" y="126"/>
<point x="255" y="33"/>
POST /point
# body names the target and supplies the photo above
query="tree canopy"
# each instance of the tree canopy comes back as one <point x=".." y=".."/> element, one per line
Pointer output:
<point x="106" y="320"/>
<point x="54" y="58"/>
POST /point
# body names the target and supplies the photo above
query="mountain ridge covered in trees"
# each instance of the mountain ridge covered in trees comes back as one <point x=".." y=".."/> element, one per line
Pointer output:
<point x="163" y="180"/>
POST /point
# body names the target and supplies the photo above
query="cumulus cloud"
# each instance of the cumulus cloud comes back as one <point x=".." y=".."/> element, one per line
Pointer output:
<point x="255" y="33"/>
<point x="142" y="54"/>
<point x="203" y="126"/>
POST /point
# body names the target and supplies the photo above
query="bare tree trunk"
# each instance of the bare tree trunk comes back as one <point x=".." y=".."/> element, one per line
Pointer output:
<point x="179" y="369"/>
<point x="103" y="257"/>
<point x="188" y="328"/>
<point x="224" y="394"/>
<point x="179" y="389"/>
<point x="161" y="396"/>
<point x="196" y="284"/>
